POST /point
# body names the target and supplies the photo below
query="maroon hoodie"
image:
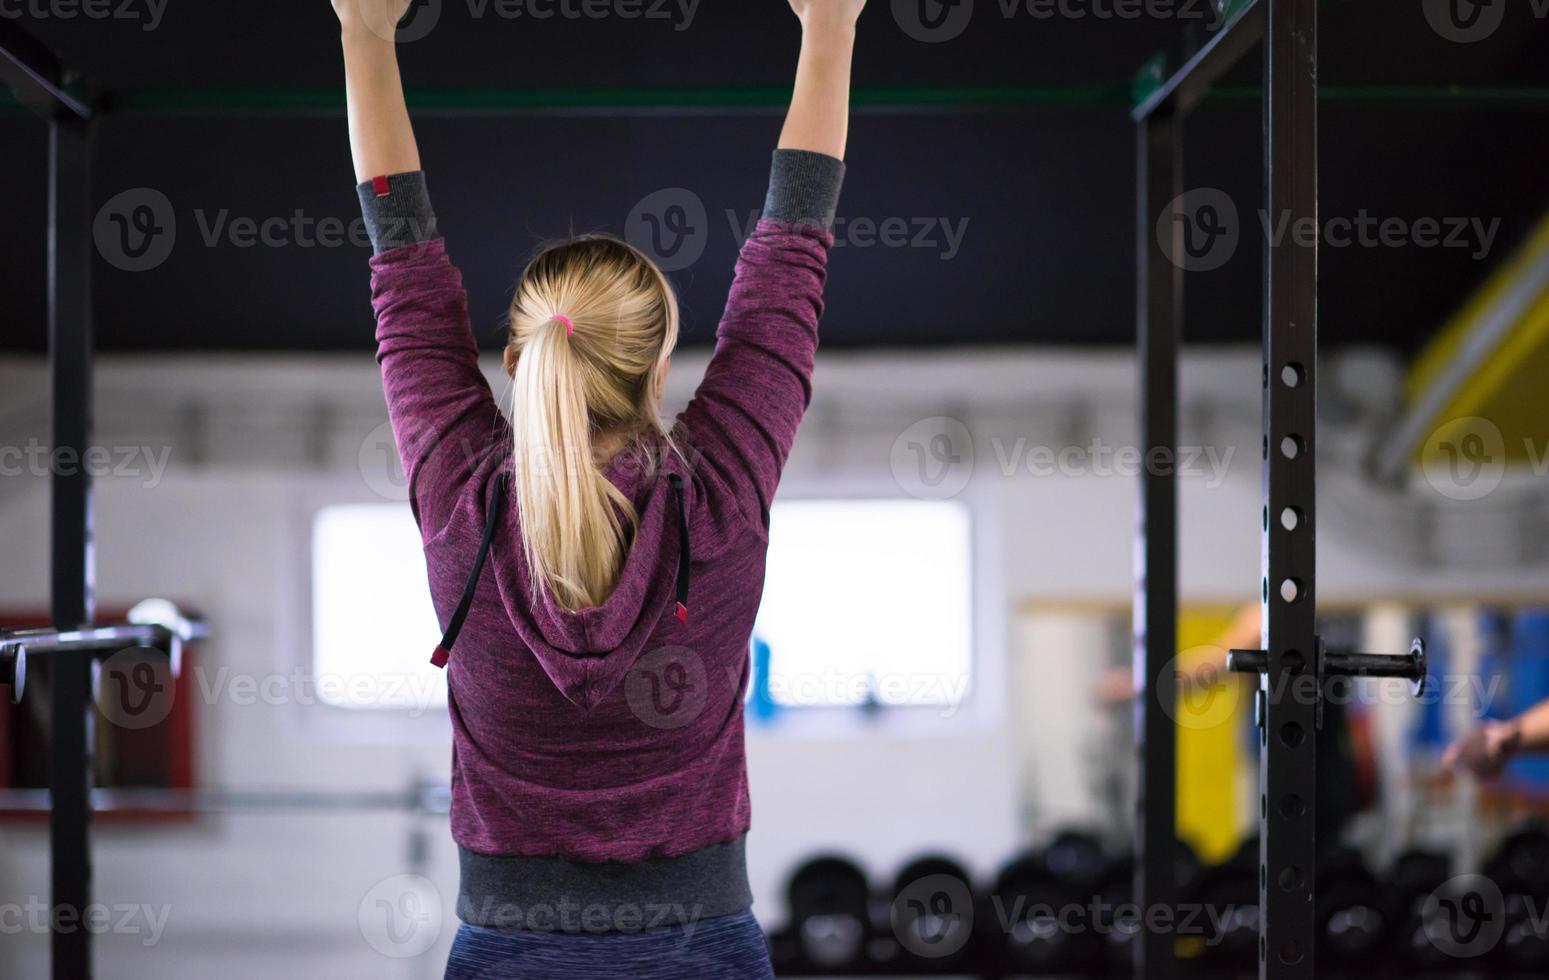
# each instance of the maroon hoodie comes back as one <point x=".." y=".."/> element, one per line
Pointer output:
<point x="615" y="733"/>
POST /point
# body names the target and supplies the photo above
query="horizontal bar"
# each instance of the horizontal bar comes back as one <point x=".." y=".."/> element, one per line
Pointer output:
<point x="1373" y="665"/>
<point x="95" y="638"/>
<point x="1194" y="78"/>
<point x="1471" y="96"/>
<point x="503" y="102"/>
<point x="499" y="101"/>
<point x="1247" y="661"/>
<point x="36" y="76"/>
<point x="428" y="799"/>
<point x="1409" y="666"/>
<point x="98" y="638"/>
<point x="152" y="622"/>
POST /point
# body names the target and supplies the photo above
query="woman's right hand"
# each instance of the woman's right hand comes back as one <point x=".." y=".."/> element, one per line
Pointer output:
<point x="380" y="17"/>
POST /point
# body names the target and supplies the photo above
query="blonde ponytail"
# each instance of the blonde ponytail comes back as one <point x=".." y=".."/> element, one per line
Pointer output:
<point x="592" y="326"/>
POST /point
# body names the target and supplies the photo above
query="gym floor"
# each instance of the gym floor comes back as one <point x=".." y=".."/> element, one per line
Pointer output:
<point x="950" y="664"/>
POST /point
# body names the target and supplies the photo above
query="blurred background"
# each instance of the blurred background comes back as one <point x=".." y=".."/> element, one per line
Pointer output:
<point x="942" y="656"/>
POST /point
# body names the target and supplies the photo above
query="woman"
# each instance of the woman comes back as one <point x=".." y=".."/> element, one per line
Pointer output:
<point x="598" y="572"/>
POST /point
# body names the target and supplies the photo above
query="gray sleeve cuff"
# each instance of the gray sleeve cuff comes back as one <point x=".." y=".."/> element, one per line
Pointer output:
<point x="804" y="188"/>
<point x="397" y="211"/>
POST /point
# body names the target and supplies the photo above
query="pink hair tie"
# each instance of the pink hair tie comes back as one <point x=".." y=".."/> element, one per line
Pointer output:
<point x="569" y="327"/>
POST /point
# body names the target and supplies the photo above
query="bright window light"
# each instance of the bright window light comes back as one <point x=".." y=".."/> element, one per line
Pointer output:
<point x="868" y="599"/>
<point x="373" y="625"/>
<point x="863" y="600"/>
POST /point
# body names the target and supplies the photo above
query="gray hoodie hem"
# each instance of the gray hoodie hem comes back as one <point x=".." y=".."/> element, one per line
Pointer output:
<point x="547" y="894"/>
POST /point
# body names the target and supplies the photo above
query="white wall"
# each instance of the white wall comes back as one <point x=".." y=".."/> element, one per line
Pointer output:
<point x="256" y="443"/>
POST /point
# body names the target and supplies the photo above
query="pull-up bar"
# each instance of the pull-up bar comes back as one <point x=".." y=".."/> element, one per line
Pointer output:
<point x="1149" y="86"/>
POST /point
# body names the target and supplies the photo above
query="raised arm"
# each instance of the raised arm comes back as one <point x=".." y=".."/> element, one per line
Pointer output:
<point x="442" y="410"/>
<point x="819" y="118"/>
<point x="742" y="421"/>
<point x="381" y="137"/>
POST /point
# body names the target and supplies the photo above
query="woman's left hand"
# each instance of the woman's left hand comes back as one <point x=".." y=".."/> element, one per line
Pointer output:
<point x="380" y="17"/>
<point x="828" y="13"/>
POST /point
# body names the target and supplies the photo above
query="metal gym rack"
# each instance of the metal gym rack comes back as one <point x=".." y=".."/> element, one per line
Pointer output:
<point x="1293" y="665"/>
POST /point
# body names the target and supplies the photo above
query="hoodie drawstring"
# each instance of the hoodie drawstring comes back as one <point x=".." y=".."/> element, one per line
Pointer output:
<point x="683" y="555"/>
<point x="454" y="626"/>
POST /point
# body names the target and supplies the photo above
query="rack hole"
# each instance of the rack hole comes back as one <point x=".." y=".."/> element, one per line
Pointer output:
<point x="1292" y="734"/>
<point x="1291" y="447"/>
<point x="1291" y="805"/>
<point x="1291" y="589"/>
<point x="1290" y="952"/>
<point x="1291" y="518"/>
<point x="1290" y="878"/>
<point x="1292" y="375"/>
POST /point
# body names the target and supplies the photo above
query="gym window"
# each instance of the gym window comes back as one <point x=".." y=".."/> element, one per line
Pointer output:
<point x="868" y="601"/>
<point x="865" y="601"/>
<point x="373" y="625"/>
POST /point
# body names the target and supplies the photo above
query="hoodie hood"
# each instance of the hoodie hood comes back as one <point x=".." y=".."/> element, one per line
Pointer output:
<point x="588" y="652"/>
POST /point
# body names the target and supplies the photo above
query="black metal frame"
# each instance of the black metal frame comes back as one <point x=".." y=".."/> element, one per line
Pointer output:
<point x="42" y="83"/>
<point x="1293" y="666"/>
<point x="1288" y="761"/>
<point x="1159" y="314"/>
<point x="73" y="569"/>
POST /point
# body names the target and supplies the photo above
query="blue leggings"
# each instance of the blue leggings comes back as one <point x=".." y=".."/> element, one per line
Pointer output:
<point x="728" y="947"/>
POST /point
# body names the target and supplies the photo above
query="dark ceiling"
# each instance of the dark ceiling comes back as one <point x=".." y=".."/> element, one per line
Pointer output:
<point x="1041" y="197"/>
